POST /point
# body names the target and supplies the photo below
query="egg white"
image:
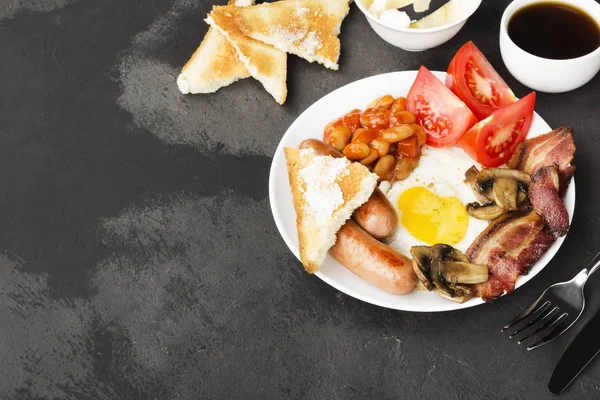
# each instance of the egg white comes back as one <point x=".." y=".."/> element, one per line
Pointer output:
<point x="442" y="171"/>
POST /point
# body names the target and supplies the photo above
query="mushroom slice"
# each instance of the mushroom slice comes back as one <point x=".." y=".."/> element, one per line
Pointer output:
<point x="505" y="193"/>
<point x="458" y="255"/>
<point x="458" y="294"/>
<point x="487" y="212"/>
<point x="483" y="196"/>
<point x="486" y="175"/>
<point x="439" y="253"/>
<point x="421" y="264"/>
<point x="449" y="290"/>
<point x="464" y="272"/>
<point x="522" y="196"/>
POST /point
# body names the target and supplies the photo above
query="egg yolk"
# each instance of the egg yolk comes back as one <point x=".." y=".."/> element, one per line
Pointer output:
<point x="432" y="218"/>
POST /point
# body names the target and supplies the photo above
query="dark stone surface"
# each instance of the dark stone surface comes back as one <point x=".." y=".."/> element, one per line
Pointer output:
<point x="140" y="258"/>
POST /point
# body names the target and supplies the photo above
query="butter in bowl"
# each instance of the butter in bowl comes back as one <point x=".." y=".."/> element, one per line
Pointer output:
<point x="417" y="25"/>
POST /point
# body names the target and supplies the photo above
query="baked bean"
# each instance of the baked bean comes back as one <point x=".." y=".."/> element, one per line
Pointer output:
<point x="397" y="133"/>
<point x="398" y="105"/>
<point x="371" y="158"/>
<point x="420" y="134"/>
<point x="352" y="119"/>
<point x="356" y="151"/>
<point x="363" y="135"/>
<point x="373" y="137"/>
<point x="384" y="102"/>
<point x="384" y="167"/>
<point x="381" y="146"/>
<point x="404" y="167"/>
<point x="330" y="127"/>
<point x="375" y="118"/>
<point x="402" y="117"/>
<point x="340" y="137"/>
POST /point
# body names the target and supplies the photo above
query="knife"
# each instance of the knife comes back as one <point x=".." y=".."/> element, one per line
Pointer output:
<point x="578" y="354"/>
<point x="434" y="5"/>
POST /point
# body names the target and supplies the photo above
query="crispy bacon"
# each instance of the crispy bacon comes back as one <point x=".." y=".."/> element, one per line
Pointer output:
<point x="543" y="193"/>
<point x="509" y="246"/>
<point x="564" y="177"/>
<point x="555" y="147"/>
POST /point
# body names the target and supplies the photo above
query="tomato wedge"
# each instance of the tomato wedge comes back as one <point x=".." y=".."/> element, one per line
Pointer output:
<point x="494" y="140"/>
<point x="475" y="81"/>
<point x="443" y="116"/>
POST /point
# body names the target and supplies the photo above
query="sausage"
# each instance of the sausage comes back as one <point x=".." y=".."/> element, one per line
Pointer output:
<point x="377" y="215"/>
<point x="321" y="148"/>
<point x="375" y="262"/>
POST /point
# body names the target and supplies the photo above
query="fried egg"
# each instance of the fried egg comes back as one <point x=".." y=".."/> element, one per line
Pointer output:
<point x="431" y="202"/>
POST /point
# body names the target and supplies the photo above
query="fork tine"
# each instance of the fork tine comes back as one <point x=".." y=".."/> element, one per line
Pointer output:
<point x="555" y="330"/>
<point x="524" y="314"/>
<point x="545" y="322"/>
<point x="536" y="315"/>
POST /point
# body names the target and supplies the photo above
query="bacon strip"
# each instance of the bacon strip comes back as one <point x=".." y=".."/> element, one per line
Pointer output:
<point x="555" y="147"/>
<point x="543" y="193"/>
<point x="509" y="246"/>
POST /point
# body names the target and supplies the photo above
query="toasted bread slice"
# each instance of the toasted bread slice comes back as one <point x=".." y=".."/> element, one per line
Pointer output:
<point x="265" y="63"/>
<point x="214" y="64"/>
<point x="325" y="191"/>
<point x="307" y="28"/>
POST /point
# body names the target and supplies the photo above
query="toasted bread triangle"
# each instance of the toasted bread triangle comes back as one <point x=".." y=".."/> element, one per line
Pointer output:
<point x="214" y="64"/>
<point x="306" y="28"/>
<point x="265" y="63"/>
<point x="325" y="191"/>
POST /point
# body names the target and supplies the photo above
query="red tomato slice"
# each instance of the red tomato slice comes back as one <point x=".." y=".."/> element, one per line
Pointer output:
<point x="494" y="140"/>
<point x="475" y="81"/>
<point x="443" y="116"/>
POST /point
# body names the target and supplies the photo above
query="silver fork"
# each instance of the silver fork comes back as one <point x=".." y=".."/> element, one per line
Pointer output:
<point x="555" y="311"/>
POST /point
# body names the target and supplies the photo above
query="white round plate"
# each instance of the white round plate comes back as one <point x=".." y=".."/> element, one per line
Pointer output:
<point x="310" y="125"/>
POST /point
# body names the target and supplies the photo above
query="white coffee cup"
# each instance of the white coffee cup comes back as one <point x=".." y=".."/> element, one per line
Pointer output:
<point x="544" y="74"/>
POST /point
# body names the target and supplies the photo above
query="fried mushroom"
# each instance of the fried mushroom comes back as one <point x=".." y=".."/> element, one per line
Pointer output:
<point x="446" y="270"/>
<point x="421" y="264"/>
<point x="488" y="212"/>
<point x="464" y="272"/>
<point x="487" y="175"/>
<point x="481" y="195"/>
<point x="505" y="193"/>
<point x="499" y="190"/>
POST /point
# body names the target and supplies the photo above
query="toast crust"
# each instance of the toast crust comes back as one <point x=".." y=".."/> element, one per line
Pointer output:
<point x="214" y="64"/>
<point x="340" y="187"/>
<point x="306" y="28"/>
<point x="265" y="63"/>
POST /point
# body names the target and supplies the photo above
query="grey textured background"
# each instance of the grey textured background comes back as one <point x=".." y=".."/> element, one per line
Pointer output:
<point x="139" y="256"/>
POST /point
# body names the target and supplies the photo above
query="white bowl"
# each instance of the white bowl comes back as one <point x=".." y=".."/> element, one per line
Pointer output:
<point x="410" y="39"/>
<point x="544" y="74"/>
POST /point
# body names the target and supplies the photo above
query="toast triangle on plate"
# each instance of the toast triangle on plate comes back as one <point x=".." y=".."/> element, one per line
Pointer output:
<point x="214" y="64"/>
<point x="265" y="63"/>
<point x="306" y="28"/>
<point x="325" y="191"/>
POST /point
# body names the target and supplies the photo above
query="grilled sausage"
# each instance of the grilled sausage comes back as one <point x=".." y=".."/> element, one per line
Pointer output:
<point x="377" y="216"/>
<point x="373" y="261"/>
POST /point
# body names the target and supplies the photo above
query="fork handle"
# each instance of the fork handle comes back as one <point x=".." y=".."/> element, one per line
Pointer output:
<point x="592" y="265"/>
